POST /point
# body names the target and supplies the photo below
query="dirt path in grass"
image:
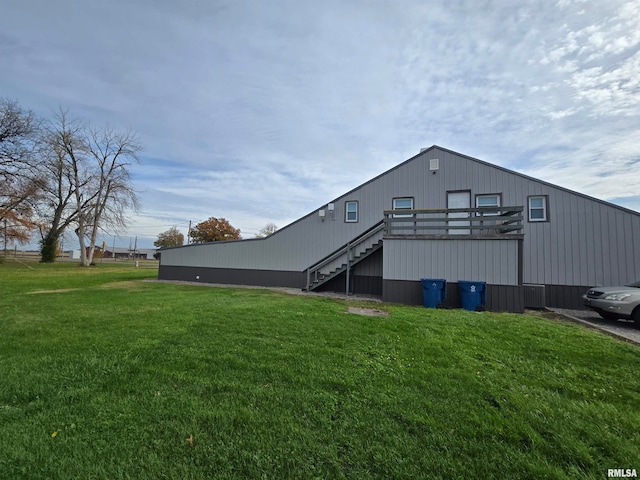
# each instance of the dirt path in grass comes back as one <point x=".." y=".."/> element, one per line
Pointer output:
<point x="368" y="312"/>
<point x="61" y="290"/>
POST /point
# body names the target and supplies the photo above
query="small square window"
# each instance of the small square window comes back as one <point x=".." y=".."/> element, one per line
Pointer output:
<point x="405" y="203"/>
<point x="538" y="208"/>
<point x="488" y="200"/>
<point x="351" y="212"/>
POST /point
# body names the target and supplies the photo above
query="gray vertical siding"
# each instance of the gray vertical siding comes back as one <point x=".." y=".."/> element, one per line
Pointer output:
<point x="586" y="241"/>
<point x="491" y="261"/>
<point x="370" y="266"/>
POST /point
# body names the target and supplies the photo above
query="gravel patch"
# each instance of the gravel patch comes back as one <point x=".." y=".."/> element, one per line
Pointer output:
<point x="623" y="329"/>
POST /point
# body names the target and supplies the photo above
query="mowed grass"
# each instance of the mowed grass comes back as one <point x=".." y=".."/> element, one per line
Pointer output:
<point x="103" y="375"/>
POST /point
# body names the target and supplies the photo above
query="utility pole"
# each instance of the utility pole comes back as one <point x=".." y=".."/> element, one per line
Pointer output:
<point x="135" y="255"/>
<point x="188" y="233"/>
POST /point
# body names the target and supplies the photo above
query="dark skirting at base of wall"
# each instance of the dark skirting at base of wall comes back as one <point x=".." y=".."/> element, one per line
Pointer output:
<point x="565" y="296"/>
<point x="233" y="276"/>
<point x="358" y="284"/>
<point x="500" y="298"/>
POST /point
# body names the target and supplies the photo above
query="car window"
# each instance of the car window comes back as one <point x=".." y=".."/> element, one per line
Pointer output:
<point x="634" y="284"/>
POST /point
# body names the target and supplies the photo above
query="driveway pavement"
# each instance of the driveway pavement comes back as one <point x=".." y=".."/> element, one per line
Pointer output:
<point x="623" y="329"/>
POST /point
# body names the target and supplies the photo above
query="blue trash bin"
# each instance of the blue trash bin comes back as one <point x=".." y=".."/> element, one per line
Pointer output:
<point x="472" y="294"/>
<point x="434" y="291"/>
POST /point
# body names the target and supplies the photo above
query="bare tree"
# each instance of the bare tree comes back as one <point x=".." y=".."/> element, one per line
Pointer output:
<point x="62" y="160"/>
<point x="110" y="189"/>
<point x="268" y="229"/>
<point x="89" y="184"/>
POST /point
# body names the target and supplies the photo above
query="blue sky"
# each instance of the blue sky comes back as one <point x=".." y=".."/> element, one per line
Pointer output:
<point x="263" y="111"/>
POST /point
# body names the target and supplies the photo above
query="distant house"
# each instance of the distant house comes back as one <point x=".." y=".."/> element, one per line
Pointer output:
<point x="439" y="214"/>
<point x="97" y="251"/>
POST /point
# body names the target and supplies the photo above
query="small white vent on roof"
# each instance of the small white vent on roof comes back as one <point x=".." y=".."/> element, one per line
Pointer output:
<point x="434" y="164"/>
<point x="423" y="149"/>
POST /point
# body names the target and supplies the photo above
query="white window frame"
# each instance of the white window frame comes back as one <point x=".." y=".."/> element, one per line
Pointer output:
<point x="498" y="203"/>
<point x="395" y="207"/>
<point x="347" y="211"/>
<point x="544" y="208"/>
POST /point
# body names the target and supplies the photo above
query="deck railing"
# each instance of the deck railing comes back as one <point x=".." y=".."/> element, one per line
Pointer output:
<point x="481" y="221"/>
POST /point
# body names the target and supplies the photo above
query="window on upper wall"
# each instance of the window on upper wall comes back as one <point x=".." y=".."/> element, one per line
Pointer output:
<point x="488" y="200"/>
<point x="537" y="207"/>
<point x="351" y="212"/>
<point x="403" y="203"/>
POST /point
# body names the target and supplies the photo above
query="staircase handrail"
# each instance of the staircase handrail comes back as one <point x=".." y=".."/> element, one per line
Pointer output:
<point x="343" y="249"/>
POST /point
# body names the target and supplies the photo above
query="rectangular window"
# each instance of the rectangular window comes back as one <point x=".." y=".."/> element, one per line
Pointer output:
<point x="538" y="208"/>
<point x="488" y="200"/>
<point x="351" y="212"/>
<point x="404" y="203"/>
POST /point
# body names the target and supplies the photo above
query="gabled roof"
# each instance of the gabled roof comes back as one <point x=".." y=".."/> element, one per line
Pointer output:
<point x="482" y="162"/>
<point x="467" y="157"/>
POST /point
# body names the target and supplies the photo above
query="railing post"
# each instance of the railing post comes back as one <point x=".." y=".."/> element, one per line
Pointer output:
<point x="348" y="267"/>
<point x="314" y="271"/>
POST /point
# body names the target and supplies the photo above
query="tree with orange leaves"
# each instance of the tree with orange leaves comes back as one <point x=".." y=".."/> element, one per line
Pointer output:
<point x="20" y="178"/>
<point x="214" y="230"/>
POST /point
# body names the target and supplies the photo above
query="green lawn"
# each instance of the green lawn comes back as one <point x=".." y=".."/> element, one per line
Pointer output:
<point x="105" y="376"/>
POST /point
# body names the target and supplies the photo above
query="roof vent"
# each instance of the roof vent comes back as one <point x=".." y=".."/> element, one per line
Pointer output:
<point x="434" y="164"/>
<point x="423" y="149"/>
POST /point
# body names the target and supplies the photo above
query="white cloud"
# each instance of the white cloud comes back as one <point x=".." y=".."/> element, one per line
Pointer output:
<point x="265" y="111"/>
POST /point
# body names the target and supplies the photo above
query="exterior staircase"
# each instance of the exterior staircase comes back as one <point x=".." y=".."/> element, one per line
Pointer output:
<point x="344" y="258"/>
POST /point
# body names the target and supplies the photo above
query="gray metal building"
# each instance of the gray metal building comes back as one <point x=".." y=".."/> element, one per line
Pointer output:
<point x="439" y="214"/>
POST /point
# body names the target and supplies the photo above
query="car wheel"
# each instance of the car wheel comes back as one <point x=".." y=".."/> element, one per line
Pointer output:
<point x="635" y="316"/>
<point x="607" y="315"/>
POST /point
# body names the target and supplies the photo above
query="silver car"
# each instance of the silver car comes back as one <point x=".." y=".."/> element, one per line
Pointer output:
<point x="615" y="302"/>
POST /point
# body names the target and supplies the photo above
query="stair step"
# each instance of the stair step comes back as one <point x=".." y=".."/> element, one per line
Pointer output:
<point x="325" y="277"/>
